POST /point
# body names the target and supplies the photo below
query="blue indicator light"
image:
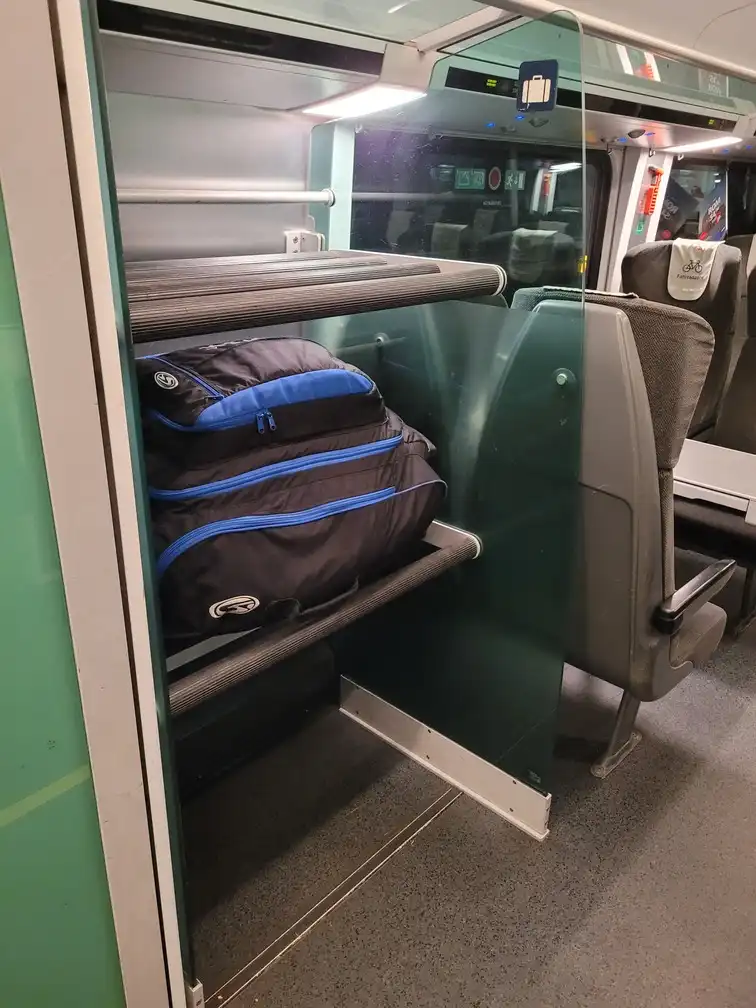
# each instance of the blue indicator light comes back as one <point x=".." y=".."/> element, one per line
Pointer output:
<point x="622" y="139"/>
<point x="490" y="125"/>
<point x="520" y="117"/>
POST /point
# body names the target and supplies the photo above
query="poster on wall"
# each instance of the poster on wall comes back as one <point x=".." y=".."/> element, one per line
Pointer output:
<point x="713" y="223"/>
<point x="678" y="207"/>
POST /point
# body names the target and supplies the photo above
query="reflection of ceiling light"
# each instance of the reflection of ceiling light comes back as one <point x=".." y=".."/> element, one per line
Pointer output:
<point x="375" y="98"/>
<point x="724" y="141"/>
<point x="567" y="166"/>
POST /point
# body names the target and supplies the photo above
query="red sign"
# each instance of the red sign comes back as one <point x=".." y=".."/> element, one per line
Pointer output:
<point x="494" y="178"/>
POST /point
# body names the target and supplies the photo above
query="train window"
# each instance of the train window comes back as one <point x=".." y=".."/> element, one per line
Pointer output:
<point x="480" y="200"/>
<point x="695" y="205"/>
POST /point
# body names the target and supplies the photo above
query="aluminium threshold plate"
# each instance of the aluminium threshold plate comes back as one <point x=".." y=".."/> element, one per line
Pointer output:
<point x="497" y="790"/>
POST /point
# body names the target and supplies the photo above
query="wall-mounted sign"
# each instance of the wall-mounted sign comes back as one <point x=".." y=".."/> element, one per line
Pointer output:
<point x="470" y="178"/>
<point x="538" y="84"/>
<point x="494" y="178"/>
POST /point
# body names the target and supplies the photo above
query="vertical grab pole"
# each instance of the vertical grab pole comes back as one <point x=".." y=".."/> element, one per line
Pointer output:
<point x="332" y="167"/>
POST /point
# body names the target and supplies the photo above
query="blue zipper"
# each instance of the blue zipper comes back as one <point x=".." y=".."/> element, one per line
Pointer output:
<point x="253" y="523"/>
<point x="276" y="469"/>
<point x="190" y="374"/>
<point x="262" y="416"/>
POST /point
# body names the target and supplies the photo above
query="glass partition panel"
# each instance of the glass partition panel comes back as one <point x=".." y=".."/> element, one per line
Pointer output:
<point x="465" y="174"/>
<point x="478" y="654"/>
<point x="624" y="69"/>
<point x="397" y="20"/>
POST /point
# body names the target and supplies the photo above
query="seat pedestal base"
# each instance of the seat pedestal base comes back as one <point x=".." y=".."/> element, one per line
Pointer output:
<point x="624" y="737"/>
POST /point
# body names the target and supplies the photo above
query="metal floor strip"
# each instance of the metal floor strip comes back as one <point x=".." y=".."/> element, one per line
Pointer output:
<point x="294" y="934"/>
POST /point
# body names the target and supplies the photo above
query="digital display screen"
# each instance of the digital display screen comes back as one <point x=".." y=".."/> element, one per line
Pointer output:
<point x="471" y="80"/>
<point x="505" y="87"/>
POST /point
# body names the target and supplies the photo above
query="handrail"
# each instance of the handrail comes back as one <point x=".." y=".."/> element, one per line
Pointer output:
<point x="325" y="196"/>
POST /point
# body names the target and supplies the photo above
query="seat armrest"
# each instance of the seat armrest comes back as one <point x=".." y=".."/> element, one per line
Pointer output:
<point x="669" y="616"/>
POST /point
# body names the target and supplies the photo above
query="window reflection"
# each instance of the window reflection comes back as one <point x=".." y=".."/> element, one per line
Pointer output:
<point x="465" y="198"/>
<point x="695" y="204"/>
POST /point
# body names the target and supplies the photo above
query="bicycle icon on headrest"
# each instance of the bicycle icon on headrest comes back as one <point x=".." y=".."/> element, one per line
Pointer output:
<point x="694" y="266"/>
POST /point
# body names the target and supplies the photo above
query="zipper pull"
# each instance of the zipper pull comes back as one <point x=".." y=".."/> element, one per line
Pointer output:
<point x="264" y="415"/>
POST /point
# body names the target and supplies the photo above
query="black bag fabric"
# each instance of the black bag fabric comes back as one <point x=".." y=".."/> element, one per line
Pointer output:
<point x="278" y="479"/>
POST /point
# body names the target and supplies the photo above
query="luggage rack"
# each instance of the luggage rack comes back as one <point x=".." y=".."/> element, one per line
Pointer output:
<point x="451" y="547"/>
<point x="178" y="299"/>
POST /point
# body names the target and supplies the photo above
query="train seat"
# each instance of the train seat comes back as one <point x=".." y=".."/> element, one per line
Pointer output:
<point x="644" y="367"/>
<point x="736" y="426"/>
<point x="746" y="245"/>
<point x="645" y="271"/>
<point x="713" y="529"/>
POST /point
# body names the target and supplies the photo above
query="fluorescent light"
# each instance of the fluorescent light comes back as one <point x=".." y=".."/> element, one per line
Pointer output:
<point x="725" y="141"/>
<point x="567" y="166"/>
<point x="375" y="98"/>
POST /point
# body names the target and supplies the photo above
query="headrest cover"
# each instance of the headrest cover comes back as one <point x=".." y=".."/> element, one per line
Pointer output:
<point x="690" y="265"/>
<point x="645" y="269"/>
<point x="675" y="347"/>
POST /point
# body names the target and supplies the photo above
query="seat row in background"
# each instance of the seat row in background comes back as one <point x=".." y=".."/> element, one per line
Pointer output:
<point x="725" y="417"/>
<point x="645" y="365"/>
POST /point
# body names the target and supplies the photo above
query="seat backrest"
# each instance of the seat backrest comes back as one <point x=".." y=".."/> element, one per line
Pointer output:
<point x="736" y="426"/>
<point x="645" y="271"/>
<point x="644" y="366"/>
<point x="745" y="319"/>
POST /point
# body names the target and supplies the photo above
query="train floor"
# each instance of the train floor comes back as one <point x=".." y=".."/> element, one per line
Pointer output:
<point x="333" y="872"/>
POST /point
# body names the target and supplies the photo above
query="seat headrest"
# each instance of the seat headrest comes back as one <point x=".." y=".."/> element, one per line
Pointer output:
<point x="645" y="272"/>
<point x="674" y="346"/>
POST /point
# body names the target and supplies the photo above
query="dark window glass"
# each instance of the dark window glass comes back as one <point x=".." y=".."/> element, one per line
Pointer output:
<point x="485" y="201"/>
<point x="695" y="204"/>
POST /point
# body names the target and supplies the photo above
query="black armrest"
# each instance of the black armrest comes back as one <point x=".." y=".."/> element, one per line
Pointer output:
<point x="669" y="616"/>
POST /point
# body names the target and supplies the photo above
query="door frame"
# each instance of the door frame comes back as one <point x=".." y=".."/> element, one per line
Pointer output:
<point x="49" y="173"/>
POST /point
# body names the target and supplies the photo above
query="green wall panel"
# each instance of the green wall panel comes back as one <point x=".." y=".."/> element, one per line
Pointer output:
<point x="57" y="941"/>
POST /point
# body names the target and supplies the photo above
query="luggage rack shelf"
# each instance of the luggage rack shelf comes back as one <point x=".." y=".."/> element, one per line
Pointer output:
<point x="452" y="546"/>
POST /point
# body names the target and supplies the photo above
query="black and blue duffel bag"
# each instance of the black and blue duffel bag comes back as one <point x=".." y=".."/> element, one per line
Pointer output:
<point x="279" y="481"/>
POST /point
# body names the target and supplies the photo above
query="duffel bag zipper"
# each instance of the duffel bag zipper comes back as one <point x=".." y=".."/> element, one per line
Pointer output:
<point x="253" y="523"/>
<point x="277" y="469"/>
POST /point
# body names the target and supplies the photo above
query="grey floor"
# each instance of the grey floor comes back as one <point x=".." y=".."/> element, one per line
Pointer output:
<point x="644" y="895"/>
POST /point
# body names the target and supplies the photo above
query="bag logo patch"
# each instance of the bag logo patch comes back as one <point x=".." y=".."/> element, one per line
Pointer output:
<point x="165" y="380"/>
<point x="237" y="606"/>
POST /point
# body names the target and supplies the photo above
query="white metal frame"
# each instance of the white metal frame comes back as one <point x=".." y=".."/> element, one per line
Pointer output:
<point x="628" y="171"/>
<point x="91" y="200"/>
<point x="37" y="189"/>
